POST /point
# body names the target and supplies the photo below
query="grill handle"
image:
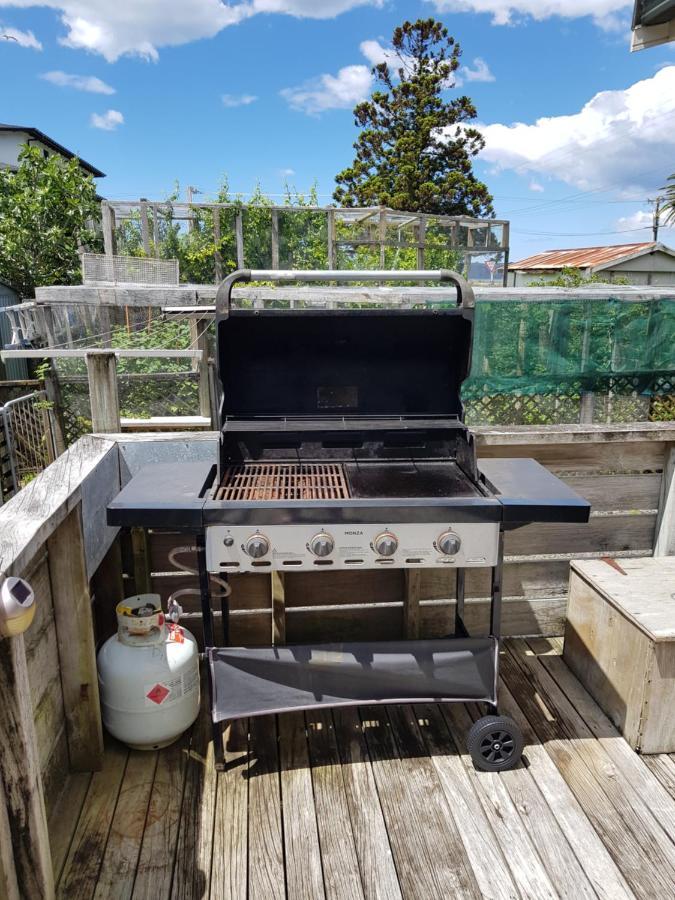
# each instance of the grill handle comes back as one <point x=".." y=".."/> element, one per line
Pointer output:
<point x="465" y="294"/>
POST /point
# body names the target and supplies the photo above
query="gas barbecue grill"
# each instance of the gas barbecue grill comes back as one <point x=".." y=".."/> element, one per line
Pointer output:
<point x="342" y="446"/>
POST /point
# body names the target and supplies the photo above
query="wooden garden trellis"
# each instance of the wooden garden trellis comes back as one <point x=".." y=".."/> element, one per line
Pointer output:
<point x="377" y="227"/>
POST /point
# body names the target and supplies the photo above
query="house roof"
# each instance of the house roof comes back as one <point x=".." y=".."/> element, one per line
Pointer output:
<point x="37" y="135"/>
<point x="594" y="258"/>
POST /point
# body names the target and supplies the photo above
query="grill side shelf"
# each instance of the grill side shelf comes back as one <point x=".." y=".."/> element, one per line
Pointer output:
<point x="528" y="492"/>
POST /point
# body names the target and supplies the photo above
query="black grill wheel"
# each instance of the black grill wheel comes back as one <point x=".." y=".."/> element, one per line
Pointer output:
<point x="495" y="743"/>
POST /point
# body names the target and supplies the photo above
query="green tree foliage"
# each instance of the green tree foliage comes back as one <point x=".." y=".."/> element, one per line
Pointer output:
<point x="302" y="235"/>
<point x="415" y="149"/>
<point x="47" y="207"/>
<point x="571" y="277"/>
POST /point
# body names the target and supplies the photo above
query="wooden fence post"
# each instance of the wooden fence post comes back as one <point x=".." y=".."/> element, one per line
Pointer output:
<point x="21" y="780"/>
<point x="53" y="392"/>
<point x="421" y="241"/>
<point x="505" y="244"/>
<point x="239" y="238"/>
<point x="76" y="645"/>
<point x="275" y="239"/>
<point x="105" y="404"/>
<point x="155" y="231"/>
<point x="199" y="339"/>
<point x="108" y="227"/>
<point x="217" y="255"/>
<point x="330" y="237"/>
<point x="145" y="227"/>
<point x="664" y="539"/>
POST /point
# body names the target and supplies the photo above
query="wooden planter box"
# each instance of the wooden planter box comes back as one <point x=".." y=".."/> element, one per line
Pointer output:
<point x="620" y="643"/>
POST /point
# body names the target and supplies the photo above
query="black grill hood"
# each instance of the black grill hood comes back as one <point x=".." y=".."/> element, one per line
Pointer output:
<point x="320" y="363"/>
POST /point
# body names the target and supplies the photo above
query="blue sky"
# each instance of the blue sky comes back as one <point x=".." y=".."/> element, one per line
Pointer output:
<point x="579" y="131"/>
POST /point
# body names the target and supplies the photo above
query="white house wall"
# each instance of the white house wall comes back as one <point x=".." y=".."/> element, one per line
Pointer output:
<point x="10" y="144"/>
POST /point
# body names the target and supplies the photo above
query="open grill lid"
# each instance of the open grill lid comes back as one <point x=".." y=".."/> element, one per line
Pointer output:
<point x="320" y="363"/>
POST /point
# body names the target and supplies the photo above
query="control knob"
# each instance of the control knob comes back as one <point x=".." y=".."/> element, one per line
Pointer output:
<point x="322" y="544"/>
<point x="386" y="544"/>
<point x="257" y="545"/>
<point x="449" y="543"/>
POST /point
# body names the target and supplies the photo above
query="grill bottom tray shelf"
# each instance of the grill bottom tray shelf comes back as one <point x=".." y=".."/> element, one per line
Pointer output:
<point x="256" y="681"/>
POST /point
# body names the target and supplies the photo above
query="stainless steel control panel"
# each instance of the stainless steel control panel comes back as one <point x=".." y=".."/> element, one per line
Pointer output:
<point x="244" y="548"/>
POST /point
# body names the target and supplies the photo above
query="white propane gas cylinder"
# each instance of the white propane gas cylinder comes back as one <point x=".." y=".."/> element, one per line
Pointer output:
<point x="148" y="676"/>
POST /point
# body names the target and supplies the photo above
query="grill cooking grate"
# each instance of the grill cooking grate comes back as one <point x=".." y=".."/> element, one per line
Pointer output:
<point x="284" y="481"/>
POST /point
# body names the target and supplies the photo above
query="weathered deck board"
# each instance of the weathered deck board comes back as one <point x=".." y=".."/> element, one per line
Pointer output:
<point x="600" y="869"/>
<point x="427" y="850"/>
<point x="83" y="864"/>
<point x="120" y="862"/>
<point x="65" y="816"/>
<point x="192" y="871"/>
<point x="594" y="783"/>
<point x="266" y="878"/>
<point x="373" y="849"/>
<point x="230" y="833"/>
<point x="527" y="868"/>
<point x="336" y="835"/>
<point x="644" y="783"/>
<point x="544" y="830"/>
<point x="302" y="854"/>
<point x="632" y="798"/>
<point x="481" y="847"/>
<point x="381" y="803"/>
<point x="160" y="837"/>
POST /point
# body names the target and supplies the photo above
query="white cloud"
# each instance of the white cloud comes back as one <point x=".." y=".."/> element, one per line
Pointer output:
<point x="480" y="72"/>
<point x="619" y="140"/>
<point x="22" y="38"/>
<point x="642" y="222"/>
<point x="375" y="53"/>
<point x="607" y="14"/>
<point x="354" y="83"/>
<point x="536" y="187"/>
<point x="140" y="28"/>
<point x="286" y="173"/>
<point x="231" y="100"/>
<point x="350" y="85"/>
<point x="109" y="121"/>
<point x="80" y="82"/>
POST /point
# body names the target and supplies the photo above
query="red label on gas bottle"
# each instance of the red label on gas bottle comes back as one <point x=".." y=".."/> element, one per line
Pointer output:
<point x="158" y="693"/>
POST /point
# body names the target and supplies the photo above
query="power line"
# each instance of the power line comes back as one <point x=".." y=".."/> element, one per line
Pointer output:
<point x="582" y="233"/>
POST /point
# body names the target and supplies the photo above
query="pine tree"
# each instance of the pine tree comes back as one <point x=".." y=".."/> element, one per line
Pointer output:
<point x="415" y="149"/>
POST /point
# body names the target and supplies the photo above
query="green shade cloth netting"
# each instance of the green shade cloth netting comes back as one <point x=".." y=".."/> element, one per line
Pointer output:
<point x="553" y="347"/>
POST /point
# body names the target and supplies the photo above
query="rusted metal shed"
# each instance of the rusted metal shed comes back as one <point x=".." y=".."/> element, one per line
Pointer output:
<point x="650" y="263"/>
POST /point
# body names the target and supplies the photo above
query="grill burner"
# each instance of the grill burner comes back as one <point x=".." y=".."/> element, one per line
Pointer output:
<point x="284" y="481"/>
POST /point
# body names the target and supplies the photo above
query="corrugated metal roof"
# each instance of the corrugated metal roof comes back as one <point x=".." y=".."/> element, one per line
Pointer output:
<point x="583" y="257"/>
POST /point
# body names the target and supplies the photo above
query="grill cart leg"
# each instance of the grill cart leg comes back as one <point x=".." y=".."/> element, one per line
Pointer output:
<point x="209" y="642"/>
<point x="460" y="627"/>
<point x="495" y="742"/>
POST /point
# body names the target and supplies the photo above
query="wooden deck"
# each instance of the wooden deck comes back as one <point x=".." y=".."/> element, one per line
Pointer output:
<point x="381" y="803"/>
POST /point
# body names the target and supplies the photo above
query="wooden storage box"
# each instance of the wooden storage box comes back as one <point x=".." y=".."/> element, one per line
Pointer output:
<point x="620" y="643"/>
